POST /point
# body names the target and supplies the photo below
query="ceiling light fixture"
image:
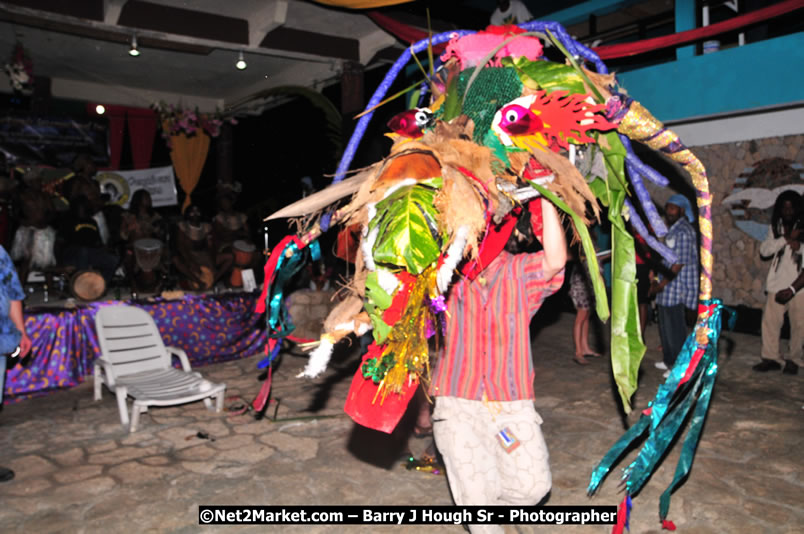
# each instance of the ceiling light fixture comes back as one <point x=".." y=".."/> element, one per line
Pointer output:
<point x="241" y="63"/>
<point x="100" y="109"/>
<point x="133" y="51"/>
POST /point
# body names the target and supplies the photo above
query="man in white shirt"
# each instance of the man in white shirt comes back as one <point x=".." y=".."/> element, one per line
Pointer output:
<point x="783" y="247"/>
<point x="510" y="12"/>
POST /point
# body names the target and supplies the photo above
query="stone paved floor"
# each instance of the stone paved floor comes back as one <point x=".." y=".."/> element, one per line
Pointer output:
<point x="79" y="471"/>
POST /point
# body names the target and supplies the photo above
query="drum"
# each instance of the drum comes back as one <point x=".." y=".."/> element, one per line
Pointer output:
<point x="148" y="253"/>
<point x="87" y="285"/>
<point x="243" y="253"/>
<point x="243" y="259"/>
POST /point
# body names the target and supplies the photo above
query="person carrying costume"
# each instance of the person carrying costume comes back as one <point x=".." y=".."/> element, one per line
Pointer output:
<point x="484" y="421"/>
<point x="783" y="248"/>
<point x="677" y="290"/>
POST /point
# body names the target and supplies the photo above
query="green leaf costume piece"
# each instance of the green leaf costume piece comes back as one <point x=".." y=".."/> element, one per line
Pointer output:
<point x="627" y="347"/>
<point x="408" y="234"/>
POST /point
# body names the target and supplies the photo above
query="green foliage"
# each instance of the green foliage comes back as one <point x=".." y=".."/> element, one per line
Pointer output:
<point x="546" y="75"/>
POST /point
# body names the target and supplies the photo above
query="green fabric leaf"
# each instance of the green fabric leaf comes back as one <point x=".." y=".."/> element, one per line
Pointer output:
<point x="408" y="229"/>
<point x="600" y="190"/>
<point x="627" y="347"/>
<point x="546" y="75"/>
<point x="375" y="293"/>
<point x="601" y="304"/>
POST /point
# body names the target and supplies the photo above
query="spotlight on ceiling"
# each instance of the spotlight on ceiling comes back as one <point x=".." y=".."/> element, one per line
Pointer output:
<point x="241" y="63"/>
<point x="100" y="109"/>
<point x="133" y="51"/>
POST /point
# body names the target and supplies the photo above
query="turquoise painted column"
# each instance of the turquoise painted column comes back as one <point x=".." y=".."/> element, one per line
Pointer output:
<point x="685" y="20"/>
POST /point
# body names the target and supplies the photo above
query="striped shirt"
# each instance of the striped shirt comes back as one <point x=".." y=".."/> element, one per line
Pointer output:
<point x="487" y="348"/>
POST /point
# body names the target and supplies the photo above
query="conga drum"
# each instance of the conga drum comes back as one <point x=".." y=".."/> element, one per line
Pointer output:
<point x="243" y="259"/>
<point x="147" y="252"/>
<point x="87" y="285"/>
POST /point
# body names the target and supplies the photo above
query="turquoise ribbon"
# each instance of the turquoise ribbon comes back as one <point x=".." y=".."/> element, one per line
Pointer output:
<point x="279" y="321"/>
<point x="603" y="467"/>
<point x="669" y="411"/>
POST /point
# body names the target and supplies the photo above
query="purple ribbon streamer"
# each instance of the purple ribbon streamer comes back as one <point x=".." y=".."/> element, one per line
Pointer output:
<point x="642" y="193"/>
<point x="647" y="171"/>
<point x="664" y="251"/>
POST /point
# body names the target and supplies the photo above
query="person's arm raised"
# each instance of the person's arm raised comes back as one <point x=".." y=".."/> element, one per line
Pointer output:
<point x="553" y="241"/>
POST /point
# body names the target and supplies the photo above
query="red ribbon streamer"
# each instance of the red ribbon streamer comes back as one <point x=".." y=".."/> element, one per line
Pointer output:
<point x="656" y="43"/>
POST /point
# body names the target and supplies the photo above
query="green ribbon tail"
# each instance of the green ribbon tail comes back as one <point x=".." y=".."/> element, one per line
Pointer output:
<point x="693" y="435"/>
<point x="709" y="363"/>
<point x="659" y="440"/>
<point x="626" y="440"/>
<point x="601" y="300"/>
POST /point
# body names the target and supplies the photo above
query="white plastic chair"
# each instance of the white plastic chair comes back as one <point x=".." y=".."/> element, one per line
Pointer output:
<point x="135" y="362"/>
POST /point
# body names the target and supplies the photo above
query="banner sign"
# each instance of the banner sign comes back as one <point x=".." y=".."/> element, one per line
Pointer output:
<point x="121" y="185"/>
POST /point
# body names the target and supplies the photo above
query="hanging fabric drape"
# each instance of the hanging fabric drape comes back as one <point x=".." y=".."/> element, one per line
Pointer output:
<point x="141" y="132"/>
<point x="116" y="115"/>
<point x="188" y="155"/>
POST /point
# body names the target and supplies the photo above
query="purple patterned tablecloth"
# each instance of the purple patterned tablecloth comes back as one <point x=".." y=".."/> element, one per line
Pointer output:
<point x="210" y="328"/>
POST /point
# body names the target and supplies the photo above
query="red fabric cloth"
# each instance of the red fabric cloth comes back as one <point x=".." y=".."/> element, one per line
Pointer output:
<point x="647" y="45"/>
<point x="141" y="131"/>
<point x="487" y="344"/>
<point x="366" y="408"/>
<point x="116" y="115"/>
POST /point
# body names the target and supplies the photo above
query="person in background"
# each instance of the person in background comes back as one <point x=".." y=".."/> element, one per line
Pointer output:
<point x="34" y="243"/>
<point x="81" y="241"/>
<point x="228" y="226"/>
<point x="783" y="248"/>
<point x="140" y="221"/>
<point x="643" y="278"/>
<point x="678" y="288"/>
<point x="84" y="183"/>
<point x="14" y="342"/>
<point x="194" y="258"/>
<point x="510" y="12"/>
<point x="583" y="298"/>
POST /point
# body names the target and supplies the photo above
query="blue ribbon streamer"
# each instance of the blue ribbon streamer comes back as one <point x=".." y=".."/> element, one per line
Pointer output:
<point x="265" y="362"/>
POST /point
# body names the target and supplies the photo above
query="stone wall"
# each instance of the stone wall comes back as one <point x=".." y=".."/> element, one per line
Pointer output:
<point x="308" y="309"/>
<point x="739" y="273"/>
